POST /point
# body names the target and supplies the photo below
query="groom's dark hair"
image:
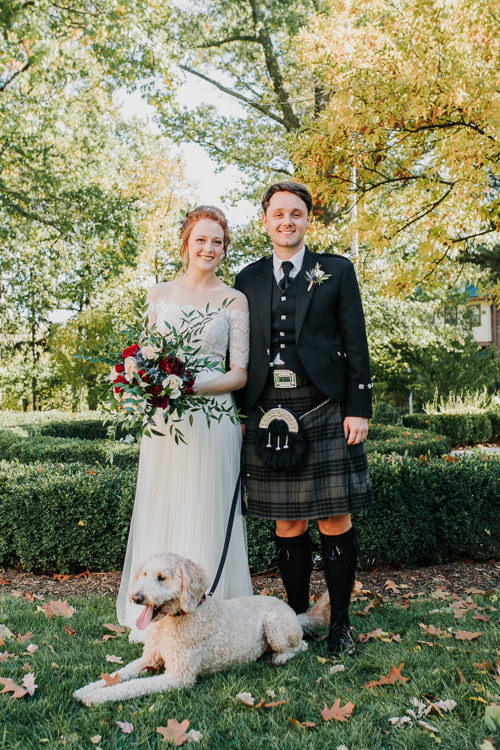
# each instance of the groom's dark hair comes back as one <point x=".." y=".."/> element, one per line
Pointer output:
<point x="288" y="187"/>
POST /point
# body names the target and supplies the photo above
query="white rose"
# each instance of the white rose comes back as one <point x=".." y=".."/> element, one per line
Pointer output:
<point x="130" y="368"/>
<point x="173" y="384"/>
<point x="113" y="375"/>
<point x="149" y="352"/>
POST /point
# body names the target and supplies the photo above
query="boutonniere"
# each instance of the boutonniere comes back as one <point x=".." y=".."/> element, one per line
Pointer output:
<point x="316" y="276"/>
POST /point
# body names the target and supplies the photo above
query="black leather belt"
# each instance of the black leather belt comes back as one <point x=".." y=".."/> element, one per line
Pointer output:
<point x="281" y="378"/>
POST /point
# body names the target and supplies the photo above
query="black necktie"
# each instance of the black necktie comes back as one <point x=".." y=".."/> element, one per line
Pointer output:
<point x="285" y="282"/>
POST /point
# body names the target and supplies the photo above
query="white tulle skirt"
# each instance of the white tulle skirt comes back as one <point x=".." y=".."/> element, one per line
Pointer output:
<point x="182" y="505"/>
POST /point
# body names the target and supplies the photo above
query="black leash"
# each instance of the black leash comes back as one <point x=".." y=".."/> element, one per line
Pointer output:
<point x="227" y="539"/>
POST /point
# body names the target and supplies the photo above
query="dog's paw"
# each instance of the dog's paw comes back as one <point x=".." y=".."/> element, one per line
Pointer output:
<point x="82" y="692"/>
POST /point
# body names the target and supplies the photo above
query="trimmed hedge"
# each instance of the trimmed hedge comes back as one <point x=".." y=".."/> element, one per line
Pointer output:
<point x="388" y="439"/>
<point x="19" y="443"/>
<point x="386" y="414"/>
<point x="71" y="517"/>
<point x="462" y="429"/>
<point x="64" y="518"/>
<point x="35" y="448"/>
<point x="87" y="425"/>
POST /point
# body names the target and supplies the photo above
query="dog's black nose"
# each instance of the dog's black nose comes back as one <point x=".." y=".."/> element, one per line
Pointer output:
<point x="138" y="598"/>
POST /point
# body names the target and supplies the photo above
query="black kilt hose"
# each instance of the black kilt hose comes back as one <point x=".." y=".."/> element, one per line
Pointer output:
<point x="333" y="478"/>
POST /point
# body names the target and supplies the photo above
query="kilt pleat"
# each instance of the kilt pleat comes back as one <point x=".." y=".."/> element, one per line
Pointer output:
<point x="333" y="478"/>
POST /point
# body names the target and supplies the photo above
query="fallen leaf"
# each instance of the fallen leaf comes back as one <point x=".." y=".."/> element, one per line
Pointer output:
<point x="28" y="682"/>
<point x="432" y="630"/>
<point x="426" y="725"/>
<point x="125" y="726"/>
<point x="31" y="648"/>
<point x="246" y="698"/>
<point x="174" y="732"/>
<point x="114" y="628"/>
<point x="481" y="616"/>
<point x="447" y="705"/>
<point x="110" y="679"/>
<point x="461" y="678"/>
<point x="194" y="736"/>
<point x="391" y="586"/>
<point x="465" y="635"/>
<point x="108" y="637"/>
<point x="32" y="597"/>
<point x="390" y="679"/>
<point x="302" y="724"/>
<point x="439" y="593"/>
<point x="273" y="704"/>
<point x="96" y="739"/>
<point x="337" y="668"/>
<point x="4" y="656"/>
<point x="321" y="659"/>
<point x="4" y="581"/>
<point x="380" y="634"/>
<point x="57" y="609"/>
<point x="16" y="594"/>
<point x="25" y="637"/>
<point x="70" y="631"/>
<point x="271" y="693"/>
<point x="337" y="712"/>
<point x="5" y="633"/>
<point x="427" y="643"/>
<point x="400" y="721"/>
<point x="114" y="659"/>
<point x="365" y="611"/>
<point x="10" y="686"/>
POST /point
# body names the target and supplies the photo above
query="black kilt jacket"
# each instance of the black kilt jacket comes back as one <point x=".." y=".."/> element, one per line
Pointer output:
<point x="329" y="328"/>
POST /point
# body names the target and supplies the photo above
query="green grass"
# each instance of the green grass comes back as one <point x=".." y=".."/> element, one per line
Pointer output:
<point x="212" y="708"/>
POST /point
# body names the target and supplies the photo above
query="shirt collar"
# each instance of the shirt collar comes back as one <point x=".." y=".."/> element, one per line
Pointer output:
<point x="296" y="259"/>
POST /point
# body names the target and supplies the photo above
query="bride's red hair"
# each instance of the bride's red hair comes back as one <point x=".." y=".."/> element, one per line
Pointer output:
<point x="202" y="212"/>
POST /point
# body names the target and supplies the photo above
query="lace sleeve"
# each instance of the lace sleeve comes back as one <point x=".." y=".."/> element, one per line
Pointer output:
<point x="152" y="312"/>
<point x="239" y="333"/>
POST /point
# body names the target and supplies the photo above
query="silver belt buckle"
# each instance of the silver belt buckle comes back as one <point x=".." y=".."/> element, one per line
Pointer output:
<point x="284" y="379"/>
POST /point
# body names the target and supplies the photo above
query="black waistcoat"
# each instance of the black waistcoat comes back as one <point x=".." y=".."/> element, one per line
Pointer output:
<point x="283" y="327"/>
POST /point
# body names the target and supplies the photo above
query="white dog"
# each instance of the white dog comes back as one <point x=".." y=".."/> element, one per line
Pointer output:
<point x="189" y="635"/>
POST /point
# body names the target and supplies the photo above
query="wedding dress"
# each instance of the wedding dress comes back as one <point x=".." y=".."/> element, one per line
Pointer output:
<point x="184" y="491"/>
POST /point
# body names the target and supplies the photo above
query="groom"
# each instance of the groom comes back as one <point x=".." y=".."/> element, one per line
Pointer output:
<point x="309" y="355"/>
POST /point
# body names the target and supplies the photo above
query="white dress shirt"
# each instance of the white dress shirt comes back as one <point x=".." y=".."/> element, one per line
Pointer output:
<point x="296" y="259"/>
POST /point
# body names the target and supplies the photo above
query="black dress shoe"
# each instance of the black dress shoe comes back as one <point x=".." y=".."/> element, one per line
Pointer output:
<point x="340" y="640"/>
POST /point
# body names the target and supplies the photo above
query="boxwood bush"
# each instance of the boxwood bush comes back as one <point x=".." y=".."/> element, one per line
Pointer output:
<point x="69" y="517"/>
<point x="64" y="517"/>
<point x="462" y="428"/>
<point x="387" y="439"/>
<point x="21" y="444"/>
<point x="15" y="444"/>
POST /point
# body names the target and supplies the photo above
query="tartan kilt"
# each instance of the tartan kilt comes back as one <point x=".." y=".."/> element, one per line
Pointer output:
<point x="333" y="479"/>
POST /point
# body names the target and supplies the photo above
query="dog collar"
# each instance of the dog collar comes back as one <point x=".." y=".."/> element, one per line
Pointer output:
<point x="178" y="614"/>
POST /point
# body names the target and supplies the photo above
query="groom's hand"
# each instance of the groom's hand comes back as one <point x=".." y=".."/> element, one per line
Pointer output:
<point x="355" y="430"/>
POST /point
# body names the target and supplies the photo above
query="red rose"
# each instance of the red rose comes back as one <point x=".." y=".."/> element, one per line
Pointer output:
<point x="130" y="351"/>
<point x="120" y="367"/>
<point x="178" y="368"/>
<point x="166" y="364"/>
<point x="121" y="379"/>
<point x="190" y="391"/>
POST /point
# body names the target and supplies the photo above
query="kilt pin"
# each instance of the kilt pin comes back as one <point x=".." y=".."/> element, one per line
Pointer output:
<point x="325" y="341"/>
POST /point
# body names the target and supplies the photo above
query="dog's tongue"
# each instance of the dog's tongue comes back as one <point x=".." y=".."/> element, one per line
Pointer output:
<point x="144" y="618"/>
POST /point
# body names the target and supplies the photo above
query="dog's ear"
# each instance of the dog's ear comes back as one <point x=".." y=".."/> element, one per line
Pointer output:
<point x="193" y="587"/>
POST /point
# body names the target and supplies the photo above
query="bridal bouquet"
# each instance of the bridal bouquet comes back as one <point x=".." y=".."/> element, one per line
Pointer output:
<point x="158" y="371"/>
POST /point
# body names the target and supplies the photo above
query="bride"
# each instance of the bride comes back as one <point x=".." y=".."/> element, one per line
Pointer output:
<point x="184" y="491"/>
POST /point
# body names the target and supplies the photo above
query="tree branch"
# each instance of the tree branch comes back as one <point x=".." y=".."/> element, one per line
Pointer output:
<point x="255" y="105"/>
<point x="290" y="120"/>
<point x="229" y="39"/>
<point x="421" y="215"/>
<point x="3" y="86"/>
